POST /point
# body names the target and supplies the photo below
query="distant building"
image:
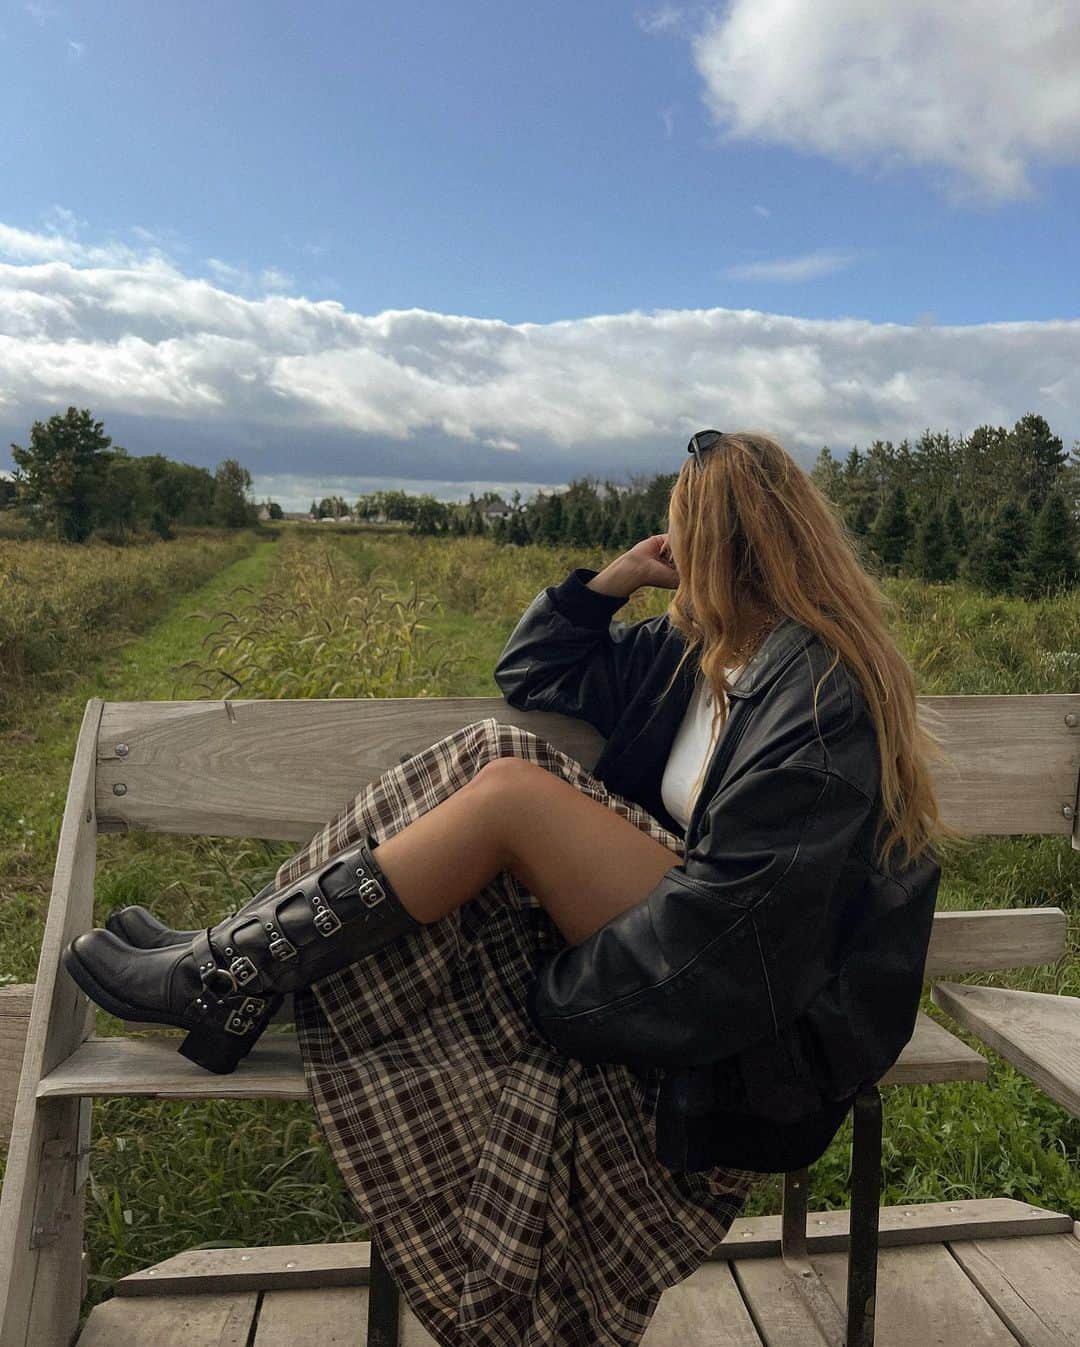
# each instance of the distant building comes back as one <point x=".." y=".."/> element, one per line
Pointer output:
<point x="496" y="509"/>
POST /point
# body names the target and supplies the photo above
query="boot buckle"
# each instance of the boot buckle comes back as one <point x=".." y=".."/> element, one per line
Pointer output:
<point x="372" y="892"/>
<point x="242" y="1019"/>
<point x="281" y="948"/>
<point x="326" y="921"/>
<point x="243" y="970"/>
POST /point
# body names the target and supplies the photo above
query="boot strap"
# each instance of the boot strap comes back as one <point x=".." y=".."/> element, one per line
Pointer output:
<point x="222" y="990"/>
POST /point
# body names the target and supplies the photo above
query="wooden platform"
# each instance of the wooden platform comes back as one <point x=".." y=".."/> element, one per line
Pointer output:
<point x="1004" y="1273"/>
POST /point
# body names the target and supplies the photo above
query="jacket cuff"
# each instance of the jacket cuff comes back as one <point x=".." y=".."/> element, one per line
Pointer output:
<point x="581" y="605"/>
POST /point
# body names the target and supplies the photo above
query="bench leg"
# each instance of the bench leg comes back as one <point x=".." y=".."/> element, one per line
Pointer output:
<point x="384" y="1304"/>
<point x="865" y="1204"/>
<point x="805" y="1278"/>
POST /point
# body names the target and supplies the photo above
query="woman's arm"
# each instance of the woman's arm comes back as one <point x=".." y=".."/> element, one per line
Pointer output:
<point x="567" y="655"/>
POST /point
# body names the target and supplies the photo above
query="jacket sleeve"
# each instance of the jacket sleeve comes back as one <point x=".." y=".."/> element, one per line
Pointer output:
<point x="716" y="956"/>
<point x="567" y="655"/>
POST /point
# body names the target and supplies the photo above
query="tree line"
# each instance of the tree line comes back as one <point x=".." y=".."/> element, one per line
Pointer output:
<point x="998" y="508"/>
<point x="70" y="483"/>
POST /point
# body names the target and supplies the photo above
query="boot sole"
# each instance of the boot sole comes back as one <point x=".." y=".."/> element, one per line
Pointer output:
<point x="207" y="1047"/>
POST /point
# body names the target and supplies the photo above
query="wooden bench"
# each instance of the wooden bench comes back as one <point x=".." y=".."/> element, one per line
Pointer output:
<point x="278" y="770"/>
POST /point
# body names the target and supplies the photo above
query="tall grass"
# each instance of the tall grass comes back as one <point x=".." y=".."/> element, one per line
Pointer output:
<point x="328" y="626"/>
<point x="61" y="606"/>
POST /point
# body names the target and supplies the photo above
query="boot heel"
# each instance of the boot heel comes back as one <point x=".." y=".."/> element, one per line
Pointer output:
<point x="213" y="1049"/>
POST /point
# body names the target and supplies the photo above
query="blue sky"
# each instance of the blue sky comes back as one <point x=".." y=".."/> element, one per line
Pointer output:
<point x="271" y="229"/>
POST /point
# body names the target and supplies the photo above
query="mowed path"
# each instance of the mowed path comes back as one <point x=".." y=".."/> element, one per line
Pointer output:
<point x="36" y="756"/>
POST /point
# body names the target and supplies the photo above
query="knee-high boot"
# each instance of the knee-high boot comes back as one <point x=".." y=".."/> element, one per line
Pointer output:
<point x="225" y="984"/>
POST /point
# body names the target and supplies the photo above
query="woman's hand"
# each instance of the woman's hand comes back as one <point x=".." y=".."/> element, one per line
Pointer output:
<point x="652" y="562"/>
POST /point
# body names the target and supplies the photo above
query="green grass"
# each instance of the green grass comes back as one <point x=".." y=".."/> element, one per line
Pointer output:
<point x="169" y="1176"/>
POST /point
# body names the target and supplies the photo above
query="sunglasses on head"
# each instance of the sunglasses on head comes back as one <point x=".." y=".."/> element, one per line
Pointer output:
<point x="704" y="439"/>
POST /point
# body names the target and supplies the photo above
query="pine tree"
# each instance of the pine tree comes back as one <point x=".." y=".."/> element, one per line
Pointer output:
<point x="934" y="558"/>
<point x="1051" y="562"/>
<point x="892" y="530"/>
<point x="552" y="524"/>
<point x="997" y="559"/>
<point x="955" y="528"/>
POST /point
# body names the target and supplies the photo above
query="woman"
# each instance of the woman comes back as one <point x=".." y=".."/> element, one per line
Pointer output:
<point x="522" y="1092"/>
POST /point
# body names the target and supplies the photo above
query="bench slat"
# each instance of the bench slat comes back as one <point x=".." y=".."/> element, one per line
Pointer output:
<point x="151" y="1066"/>
<point x="1038" y="1032"/>
<point x="279" y="768"/>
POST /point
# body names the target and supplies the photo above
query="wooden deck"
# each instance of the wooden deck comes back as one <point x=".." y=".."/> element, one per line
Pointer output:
<point x="1005" y="1273"/>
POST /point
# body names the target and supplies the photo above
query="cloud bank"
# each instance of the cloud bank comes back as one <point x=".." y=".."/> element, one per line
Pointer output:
<point x="976" y="93"/>
<point x="182" y="364"/>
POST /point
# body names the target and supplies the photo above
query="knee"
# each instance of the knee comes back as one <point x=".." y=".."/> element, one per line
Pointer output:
<point x="506" y="774"/>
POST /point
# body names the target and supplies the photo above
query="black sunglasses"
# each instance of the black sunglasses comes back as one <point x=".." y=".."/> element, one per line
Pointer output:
<point x="704" y="439"/>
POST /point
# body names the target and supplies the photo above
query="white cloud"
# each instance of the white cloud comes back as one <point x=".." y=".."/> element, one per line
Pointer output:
<point x="291" y="382"/>
<point x="667" y="116"/>
<point x="977" y="93"/>
<point x="659" y="20"/>
<point x="763" y="211"/>
<point x="807" y="267"/>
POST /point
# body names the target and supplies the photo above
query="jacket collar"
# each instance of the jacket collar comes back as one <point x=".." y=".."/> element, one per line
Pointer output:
<point x="775" y="653"/>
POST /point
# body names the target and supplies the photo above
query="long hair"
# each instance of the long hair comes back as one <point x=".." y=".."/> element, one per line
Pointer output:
<point x="755" y="540"/>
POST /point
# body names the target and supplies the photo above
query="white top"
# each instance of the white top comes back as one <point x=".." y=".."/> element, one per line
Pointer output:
<point x="691" y="751"/>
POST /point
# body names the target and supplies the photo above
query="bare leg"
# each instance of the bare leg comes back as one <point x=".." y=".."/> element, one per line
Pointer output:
<point x="584" y="863"/>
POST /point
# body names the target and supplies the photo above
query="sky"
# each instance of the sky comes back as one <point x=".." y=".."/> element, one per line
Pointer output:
<point x="448" y="247"/>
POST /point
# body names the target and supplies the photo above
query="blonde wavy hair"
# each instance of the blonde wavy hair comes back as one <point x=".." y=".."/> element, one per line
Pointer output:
<point x="755" y="540"/>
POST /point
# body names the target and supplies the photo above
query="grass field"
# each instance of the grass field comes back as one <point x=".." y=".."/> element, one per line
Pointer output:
<point x="364" y="614"/>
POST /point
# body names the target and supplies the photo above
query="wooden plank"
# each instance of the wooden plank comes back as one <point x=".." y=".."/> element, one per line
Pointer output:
<point x="1009" y="937"/>
<point x="705" y="1310"/>
<point x="172" y="1321"/>
<point x="15" y="1003"/>
<point x="932" y="1054"/>
<point x="1038" y="1032"/>
<point x="913" y="1223"/>
<point x="334" y="1317"/>
<point x="1034" y="1284"/>
<point x="789" y="1321"/>
<point x="922" y="1298"/>
<point x="151" y="1067"/>
<point x="40" y="1264"/>
<point x="275" y="1267"/>
<point x="279" y="768"/>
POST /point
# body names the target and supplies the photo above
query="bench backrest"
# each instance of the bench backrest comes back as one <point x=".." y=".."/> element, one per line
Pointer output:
<point x="278" y="769"/>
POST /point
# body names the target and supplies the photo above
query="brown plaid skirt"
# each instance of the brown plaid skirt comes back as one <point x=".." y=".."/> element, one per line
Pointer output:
<point x="513" y="1192"/>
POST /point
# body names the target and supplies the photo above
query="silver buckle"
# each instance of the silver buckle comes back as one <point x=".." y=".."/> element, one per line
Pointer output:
<point x="242" y="1020"/>
<point x="326" y="921"/>
<point x="371" y="891"/>
<point x="243" y="970"/>
<point x="280" y="948"/>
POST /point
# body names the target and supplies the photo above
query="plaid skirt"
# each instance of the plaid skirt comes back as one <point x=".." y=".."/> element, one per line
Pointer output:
<point x="512" y="1192"/>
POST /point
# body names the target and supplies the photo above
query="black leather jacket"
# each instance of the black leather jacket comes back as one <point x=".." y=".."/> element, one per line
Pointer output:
<point x="775" y="968"/>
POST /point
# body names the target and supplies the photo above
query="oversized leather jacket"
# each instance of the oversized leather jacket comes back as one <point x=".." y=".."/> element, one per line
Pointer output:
<point x="774" y="968"/>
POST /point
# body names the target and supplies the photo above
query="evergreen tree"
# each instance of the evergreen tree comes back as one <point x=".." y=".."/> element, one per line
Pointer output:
<point x="577" y="526"/>
<point x="998" y="557"/>
<point x="1051" y="562"/>
<point x="891" y="534"/>
<point x="955" y="529"/>
<point x="58" y="476"/>
<point x="827" y="476"/>
<point x="934" y="558"/>
<point x="552" y="526"/>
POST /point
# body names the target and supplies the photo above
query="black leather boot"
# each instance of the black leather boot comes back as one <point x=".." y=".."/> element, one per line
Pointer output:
<point x="138" y="926"/>
<point x="226" y="984"/>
